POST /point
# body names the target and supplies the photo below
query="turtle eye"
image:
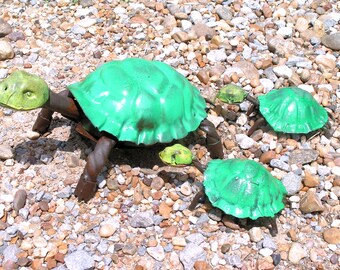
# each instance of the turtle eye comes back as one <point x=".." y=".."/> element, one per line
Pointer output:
<point x="28" y="94"/>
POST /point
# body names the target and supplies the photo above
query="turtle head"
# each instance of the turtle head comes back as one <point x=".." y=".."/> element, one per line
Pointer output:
<point x="176" y="155"/>
<point x="231" y="94"/>
<point x="23" y="91"/>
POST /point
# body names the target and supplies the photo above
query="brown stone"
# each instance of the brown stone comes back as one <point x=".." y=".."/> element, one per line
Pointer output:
<point x="310" y="180"/>
<point x="310" y="203"/>
<point x="59" y="257"/>
<point x="203" y="76"/>
<point x="201" y="265"/>
<point x="170" y="232"/>
<point x="229" y="222"/>
<point x="157" y="183"/>
<point x="51" y="263"/>
<point x="229" y="144"/>
<point x="43" y="205"/>
<point x="332" y="236"/>
<point x="164" y="210"/>
<point x="292" y="235"/>
<point x="266" y="157"/>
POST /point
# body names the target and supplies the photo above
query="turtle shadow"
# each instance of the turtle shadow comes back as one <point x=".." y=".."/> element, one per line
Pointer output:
<point x="39" y="151"/>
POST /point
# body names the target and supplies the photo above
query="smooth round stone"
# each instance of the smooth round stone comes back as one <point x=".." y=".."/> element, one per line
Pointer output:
<point x="19" y="199"/>
<point x="332" y="41"/>
<point x="107" y="230"/>
<point x="296" y="253"/>
<point x="186" y="189"/>
<point x="332" y="236"/>
<point x="255" y="234"/>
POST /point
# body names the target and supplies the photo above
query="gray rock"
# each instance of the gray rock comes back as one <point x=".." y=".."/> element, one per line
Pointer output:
<point x="244" y="141"/>
<point x="79" y="260"/>
<point x="202" y="30"/>
<point x="78" y="30"/>
<point x="190" y="254"/>
<point x="267" y="84"/>
<point x="332" y="41"/>
<point x="224" y="13"/>
<point x="324" y="170"/>
<point x="280" y="46"/>
<point x="234" y="260"/>
<point x="298" y="61"/>
<point x="156" y="252"/>
<point x="303" y="156"/>
<point x="129" y="249"/>
<point x="142" y="219"/>
<point x="292" y="183"/>
<point x="15" y="36"/>
<point x="202" y="219"/>
<point x="141" y="250"/>
<point x="66" y="192"/>
<point x="196" y="17"/>
<point x="268" y="242"/>
<point x="277" y="163"/>
<point x="19" y="199"/>
<point x="102" y="247"/>
<point x="283" y="71"/>
<point x="10" y="253"/>
<point x="216" y="56"/>
<point x="195" y="238"/>
<point x="86" y="3"/>
<point x="285" y="32"/>
<point x="5" y="28"/>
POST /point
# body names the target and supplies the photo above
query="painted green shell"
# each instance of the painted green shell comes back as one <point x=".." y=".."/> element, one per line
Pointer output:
<point x="292" y="110"/>
<point x="140" y="101"/>
<point x="231" y="93"/>
<point x="243" y="188"/>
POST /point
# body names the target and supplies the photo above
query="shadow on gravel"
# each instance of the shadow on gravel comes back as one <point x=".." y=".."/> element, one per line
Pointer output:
<point x="39" y="151"/>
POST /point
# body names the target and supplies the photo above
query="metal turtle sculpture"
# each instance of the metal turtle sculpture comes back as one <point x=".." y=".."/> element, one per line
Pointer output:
<point x="288" y="110"/>
<point x="239" y="187"/>
<point x="133" y="100"/>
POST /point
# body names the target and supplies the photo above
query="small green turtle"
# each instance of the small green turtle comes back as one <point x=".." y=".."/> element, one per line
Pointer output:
<point x="289" y="110"/>
<point x="133" y="100"/>
<point x="240" y="187"/>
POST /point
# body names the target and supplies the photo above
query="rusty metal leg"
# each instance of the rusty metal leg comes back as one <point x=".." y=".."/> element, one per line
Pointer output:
<point x="213" y="140"/>
<point x="44" y="118"/>
<point x="43" y="121"/>
<point x="87" y="184"/>
<point x="256" y="125"/>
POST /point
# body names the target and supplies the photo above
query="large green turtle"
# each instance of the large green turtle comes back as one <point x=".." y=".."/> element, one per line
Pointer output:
<point x="133" y="100"/>
<point x="288" y="110"/>
<point x="239" y="187"/>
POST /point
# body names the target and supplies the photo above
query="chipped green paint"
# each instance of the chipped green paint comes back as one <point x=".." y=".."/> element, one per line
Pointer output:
<point x="292" y="110"/>
<point x="140" y="101"/>
<point x="243" y="188"/>
<point x="23" y="91"/>
<point x="176" y="155"/>
<point x="231" y="93"/>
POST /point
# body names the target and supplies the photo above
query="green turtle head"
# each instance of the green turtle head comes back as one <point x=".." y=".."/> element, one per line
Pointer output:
<point x="176" y="155"/>
<point x="23" y="91"/>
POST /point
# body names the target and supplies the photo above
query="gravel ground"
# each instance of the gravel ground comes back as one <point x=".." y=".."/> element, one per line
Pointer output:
<point x="139" y="217"/>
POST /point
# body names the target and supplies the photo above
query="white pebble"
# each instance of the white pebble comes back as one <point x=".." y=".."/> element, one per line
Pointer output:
<point x="107" y="230"/>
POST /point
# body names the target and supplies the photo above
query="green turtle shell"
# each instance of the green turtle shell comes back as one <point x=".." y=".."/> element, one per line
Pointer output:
<point x="140" y="101"/>
<point x="292" y="110"/>
<point x="243" y="188"/>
